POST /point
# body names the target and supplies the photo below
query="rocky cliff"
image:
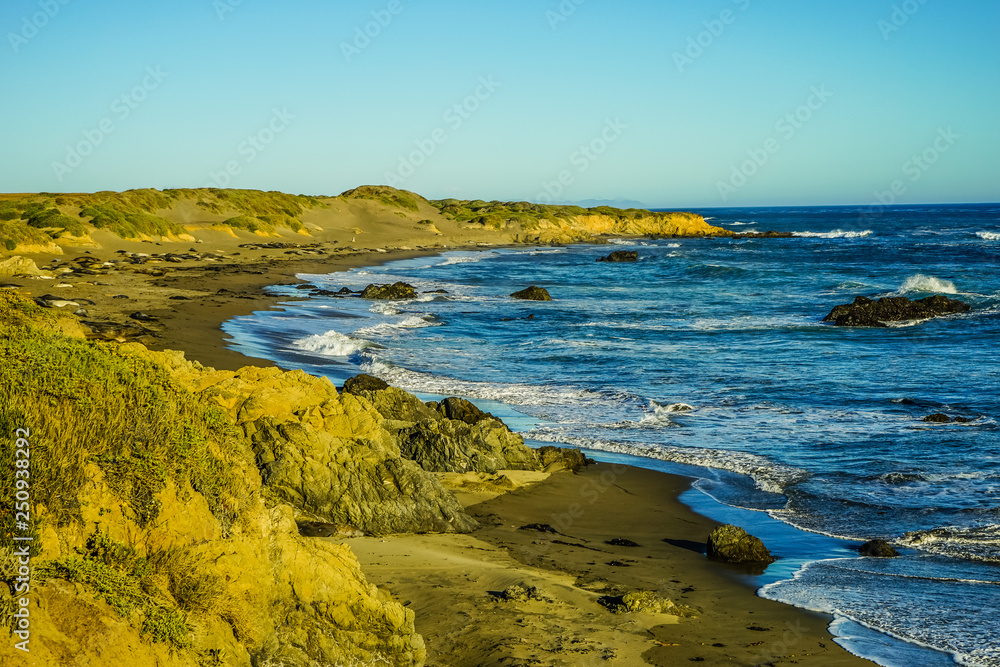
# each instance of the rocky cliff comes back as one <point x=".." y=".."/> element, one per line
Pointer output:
<point x="166" y="499"/>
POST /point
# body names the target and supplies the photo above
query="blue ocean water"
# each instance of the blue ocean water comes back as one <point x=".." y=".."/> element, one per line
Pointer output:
<point x="711" y="353"/>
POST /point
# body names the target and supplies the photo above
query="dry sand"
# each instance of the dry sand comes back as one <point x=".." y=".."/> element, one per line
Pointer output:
<point x="450" y="581"/>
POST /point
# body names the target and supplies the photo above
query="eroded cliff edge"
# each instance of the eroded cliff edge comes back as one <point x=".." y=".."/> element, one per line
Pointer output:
<point x="167" y="500"/>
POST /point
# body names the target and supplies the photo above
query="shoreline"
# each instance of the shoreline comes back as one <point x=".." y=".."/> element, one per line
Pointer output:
<point x="194" y="326"/>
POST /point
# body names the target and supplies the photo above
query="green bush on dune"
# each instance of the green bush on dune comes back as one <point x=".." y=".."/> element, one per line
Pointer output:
<point x="386" y="195"/>
<point x="89" y="403"/>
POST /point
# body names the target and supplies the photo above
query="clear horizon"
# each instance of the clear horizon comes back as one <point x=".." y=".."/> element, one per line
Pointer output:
<point x="729" y="104"/>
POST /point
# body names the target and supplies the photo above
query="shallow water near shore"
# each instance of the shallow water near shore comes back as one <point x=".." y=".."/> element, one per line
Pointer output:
<point x="708" y="355"/>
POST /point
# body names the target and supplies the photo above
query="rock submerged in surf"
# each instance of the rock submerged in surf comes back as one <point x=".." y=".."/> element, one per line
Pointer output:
<point x="533" y="294"/>
<point x="732" y="544"/>
<point x="398" y="290"/>
<point x="865" y="312"/>
<point x="878" y="549"/>
<point x="621" y="256"/>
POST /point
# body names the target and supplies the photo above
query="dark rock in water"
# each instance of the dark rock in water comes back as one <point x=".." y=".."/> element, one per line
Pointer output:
<point x="142" y="317"/>
<point x="345" y="290"/>
<point x="436" y="291"/>
<point x="771" y="234"/>
<point x="865" y="312"/>
<point x="621" y="542"/>
<point x="397" y="290"/>
<point x="562" y="458"/>
<point x="364" y="382"/>
<point x="937" y="418"/>
<point x="732" y="544"/>
<point x="878" y="549"/>
<point x="533" y="294"/>
<point x="963" y="420"/>
<point x="621" y="256"/>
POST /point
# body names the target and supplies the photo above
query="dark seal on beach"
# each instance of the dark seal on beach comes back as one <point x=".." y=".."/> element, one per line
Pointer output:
<point x="865" y="312"/>
<point x="621" y="256"/>
<point x="533" y="294"/>
<point x="732" y="544"/>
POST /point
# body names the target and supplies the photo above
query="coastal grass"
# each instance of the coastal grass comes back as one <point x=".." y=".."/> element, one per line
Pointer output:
<point x="86" y="404"/>
<point x="384" y="194"/>
<point x="39" y="219"/>
<point x="499" y="215"/>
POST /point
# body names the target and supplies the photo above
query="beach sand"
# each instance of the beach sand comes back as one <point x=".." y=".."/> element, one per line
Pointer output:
<point x="451" y="581"/>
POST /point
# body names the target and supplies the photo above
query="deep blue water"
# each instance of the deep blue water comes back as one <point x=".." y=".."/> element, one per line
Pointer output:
<point x="711" y="352"/>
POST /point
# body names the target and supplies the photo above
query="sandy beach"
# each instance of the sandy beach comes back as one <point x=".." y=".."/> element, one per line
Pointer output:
<point x="456" y="584"/>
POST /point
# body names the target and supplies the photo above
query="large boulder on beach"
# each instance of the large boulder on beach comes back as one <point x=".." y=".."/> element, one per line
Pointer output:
<point x="621" y="256"/>
<point x="732" y="544"/>
<point x="865" y="312"/>
<point x="397" y="290"/>
<point x="878" y="549"/>
<point x="562" y="458"/>
<point x="533" y="293"/>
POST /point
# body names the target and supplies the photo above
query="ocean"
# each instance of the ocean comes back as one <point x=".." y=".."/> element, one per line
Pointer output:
<point x="708" y="357"/>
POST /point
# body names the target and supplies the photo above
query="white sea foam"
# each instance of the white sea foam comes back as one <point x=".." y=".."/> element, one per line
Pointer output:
<point x="466" y="259"/>
<point x="835" y="234"/>
<point x="673" y="245"/>
<point x="922" y="283"/>
<point x="766" y="474"/>
<point x="976" y="542"/>
<point x="510" y="393"/>
<point x="989" y="236"/>
<point x="332" y="344"/>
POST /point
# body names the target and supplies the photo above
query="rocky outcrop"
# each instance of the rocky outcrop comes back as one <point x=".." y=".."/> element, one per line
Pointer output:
<point x="160" y="543"/>
<point x="19" y="266"/>
<point x="450" y="445"/>
<point x="732" y="544"/>
<point x="878" y="549"/>
<point x="533" y="293"/>
<point x="621" y="256"/>
<point x="865" y="312"/>
<point x="562" y="458"/>
<point x="397" y="290"/>
<point x="330" y="456"/>
<point x="937" y="418"/>
<point x="451" y="436"/>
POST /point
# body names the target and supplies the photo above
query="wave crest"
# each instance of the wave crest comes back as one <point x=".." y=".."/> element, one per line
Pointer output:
<point x="989" y="236"/>
<point x="331" y="344"/>
<point x="835" y="234"/>
<point x="922" y="283"/>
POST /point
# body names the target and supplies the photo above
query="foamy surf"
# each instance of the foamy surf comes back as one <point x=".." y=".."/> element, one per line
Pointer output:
<point x="989" y="236"/>
<point x="767" y="475"/>
<point x="835" y="234"/>
<point x="923" y="283"/>
<point x="332" y="344"/>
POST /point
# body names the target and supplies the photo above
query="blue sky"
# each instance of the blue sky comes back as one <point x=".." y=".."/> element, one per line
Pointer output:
<point x="674" y="104"/>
